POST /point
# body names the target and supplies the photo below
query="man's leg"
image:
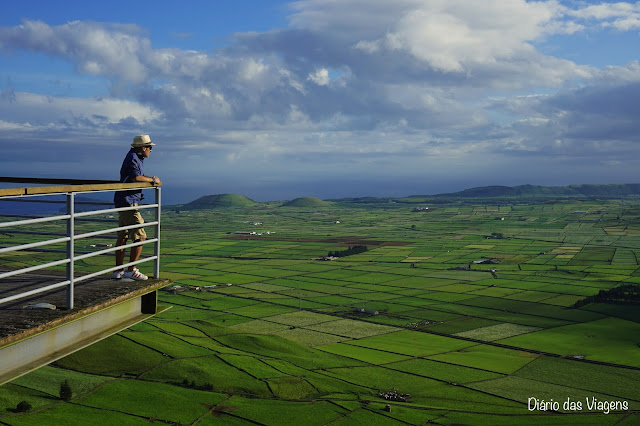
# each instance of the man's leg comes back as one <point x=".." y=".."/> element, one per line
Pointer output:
<point x="120" y="253"/>
<point x="135" y="253"/>
<point x="123" y="236"/>
<point x="138" y="235"/>
<point x="132" y="272"/>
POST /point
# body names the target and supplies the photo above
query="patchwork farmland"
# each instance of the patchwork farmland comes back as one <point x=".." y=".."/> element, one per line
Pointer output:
<point x="464" y="310"/>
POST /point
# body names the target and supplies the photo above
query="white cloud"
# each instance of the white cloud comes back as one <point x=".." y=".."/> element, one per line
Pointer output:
<point x="94" y="48"/>
<point x="44" y="110"/>
<point x="320" y="77"/>
<point x="604" y="11"/>
<point x="454" y="34"/>
<point x="622" y="16"/>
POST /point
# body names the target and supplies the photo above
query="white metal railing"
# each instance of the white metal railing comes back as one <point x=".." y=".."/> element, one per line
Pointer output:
<point x="70" y="190"/>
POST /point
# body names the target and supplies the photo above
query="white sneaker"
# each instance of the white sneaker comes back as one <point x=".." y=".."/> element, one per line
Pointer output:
<point x="117" y="275"/>
<point x="135" y="275"/>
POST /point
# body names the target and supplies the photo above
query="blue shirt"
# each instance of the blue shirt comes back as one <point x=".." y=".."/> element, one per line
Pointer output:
<point x="131" y="167"/>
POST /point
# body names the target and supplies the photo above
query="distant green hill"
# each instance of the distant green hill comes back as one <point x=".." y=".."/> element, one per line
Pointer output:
<point x="536" y="191"/>
<point x="219" y="201"/>
<point x="307" y="202"/>
<point x="529" y="193"/>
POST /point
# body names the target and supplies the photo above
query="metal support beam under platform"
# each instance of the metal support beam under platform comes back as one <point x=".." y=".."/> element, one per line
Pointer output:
<point x="53" y="334"/>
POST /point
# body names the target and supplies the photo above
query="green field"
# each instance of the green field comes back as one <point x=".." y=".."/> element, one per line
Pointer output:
<point x="473" y="328"/>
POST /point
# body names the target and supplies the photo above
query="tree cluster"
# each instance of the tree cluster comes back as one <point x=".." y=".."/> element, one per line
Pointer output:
<point x="348" y="252"/>
<point x="192" y="385"/>
<point x="23" y="407"/>
<point x="65" y="391"/>
<point x="626" y="294"/>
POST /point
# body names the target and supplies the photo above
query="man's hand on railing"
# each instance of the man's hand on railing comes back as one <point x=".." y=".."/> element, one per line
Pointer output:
<point x="155" y="180"/>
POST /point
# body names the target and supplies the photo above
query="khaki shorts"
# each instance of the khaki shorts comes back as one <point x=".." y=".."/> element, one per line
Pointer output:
<point x="131" y="217"/>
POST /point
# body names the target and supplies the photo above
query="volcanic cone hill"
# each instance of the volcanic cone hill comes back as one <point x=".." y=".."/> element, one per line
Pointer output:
<point x="219" y="201"/>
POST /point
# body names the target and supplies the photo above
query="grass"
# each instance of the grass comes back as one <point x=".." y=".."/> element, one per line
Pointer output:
<point x="284" y="412"/>
<point x="610" y="340"/>
<point x="283" y="343"/>
<point x="414" y="344"/>
<point x="443" y="371"/>
<point x="309" y="337"/>
<point x="61" y="413"/>
<point x="351" y="328"/>
<point x="113" y="357"/>
<point x="367" y="355"/>
<point x="169" y="403"/>
<point x="497" y="331"/>
<point x="490" y="358"/>
<point x="212" y="371"/>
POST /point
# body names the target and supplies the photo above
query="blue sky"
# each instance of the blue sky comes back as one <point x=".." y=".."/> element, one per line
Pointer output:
<point x="276" y="100"/>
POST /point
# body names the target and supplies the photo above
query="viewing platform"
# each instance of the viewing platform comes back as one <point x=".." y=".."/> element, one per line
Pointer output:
<point x="60" y="299"/>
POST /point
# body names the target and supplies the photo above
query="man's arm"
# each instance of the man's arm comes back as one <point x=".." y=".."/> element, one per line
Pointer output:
<point x="150" y="179"/>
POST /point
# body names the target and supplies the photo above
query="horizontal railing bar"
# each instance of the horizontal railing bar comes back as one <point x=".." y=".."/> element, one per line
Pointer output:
<point x="49" y="181"/>
<point x="41" y="250"/>
<point x="80" y="214"/>
<point x="26" y="200"/>
<point x="84" y="219"/>
<point x="41" y="216"/>
<point x="45" y="191"/>
<point x="88" y="213"/>
<point x="94" y="203"/>
<point x="67" y="185"/>
<point x="15" y="231"/>
<point x="112" y="249"/>
<point x="66" y="216"/>
<point x="122" y="228"/>
<point x="80" y="189"/>
<point x="89" y="188"/>
<point x="12" y="192"/>
<point x="82" y="252"/>
<point x="119" y="209"/>
<point x="31" y="221"/>
<point x="29" y="216"/>
<point x="33" y="268"/>
<point x="126" y="265"/>
<point x="138" y="207"/>
<point x="31" y="245"/>
<point x="35" y="291"/>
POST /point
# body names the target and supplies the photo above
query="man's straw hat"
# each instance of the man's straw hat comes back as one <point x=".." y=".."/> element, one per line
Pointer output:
<point x="141" y="140"/>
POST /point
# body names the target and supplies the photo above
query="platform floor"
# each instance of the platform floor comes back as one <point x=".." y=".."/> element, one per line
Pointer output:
<point x="17" y="323"/>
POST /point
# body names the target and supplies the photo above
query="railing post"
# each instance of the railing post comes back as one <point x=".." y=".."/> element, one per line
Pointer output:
<point x="156" y="272"/>
<point x="70" y="248"/>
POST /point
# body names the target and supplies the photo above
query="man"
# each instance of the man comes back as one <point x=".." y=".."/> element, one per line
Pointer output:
<point x="130" y="172"/>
